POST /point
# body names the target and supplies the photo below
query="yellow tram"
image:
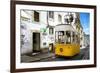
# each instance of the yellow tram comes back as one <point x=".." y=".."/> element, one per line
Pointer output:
<point x="67" y="41"/>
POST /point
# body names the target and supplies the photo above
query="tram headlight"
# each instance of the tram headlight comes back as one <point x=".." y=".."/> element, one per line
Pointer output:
<point x="61" y="49"/>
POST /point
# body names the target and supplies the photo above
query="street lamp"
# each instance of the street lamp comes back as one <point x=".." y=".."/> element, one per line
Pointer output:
<point x="69" y="18"/>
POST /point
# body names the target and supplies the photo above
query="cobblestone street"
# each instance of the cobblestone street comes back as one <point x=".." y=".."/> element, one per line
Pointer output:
<point x="44" y="57"/>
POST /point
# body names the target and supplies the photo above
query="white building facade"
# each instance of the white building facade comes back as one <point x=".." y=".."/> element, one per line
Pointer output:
<point x="38" y="28"/>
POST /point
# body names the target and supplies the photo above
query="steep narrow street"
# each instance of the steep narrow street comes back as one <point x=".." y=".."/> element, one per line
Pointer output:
<point x="49" y="56"/>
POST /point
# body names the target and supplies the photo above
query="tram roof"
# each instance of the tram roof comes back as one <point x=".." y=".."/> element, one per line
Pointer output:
<point x="64" y="27"/>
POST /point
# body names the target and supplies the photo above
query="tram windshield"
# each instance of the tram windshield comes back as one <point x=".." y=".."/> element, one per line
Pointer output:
<point x="66" y="37"/>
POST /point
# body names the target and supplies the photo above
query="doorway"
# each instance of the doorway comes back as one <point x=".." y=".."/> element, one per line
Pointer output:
<point x="36" y="42"/>
<point x="51" y="47"/>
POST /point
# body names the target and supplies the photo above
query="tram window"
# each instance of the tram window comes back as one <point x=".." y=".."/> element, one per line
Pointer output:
<point x="60" y="37"/>
<point x="59" y="18"/>
<point x="73" y="37"/>
<point x="68" y="37"/>
<point x="68" y="33"/>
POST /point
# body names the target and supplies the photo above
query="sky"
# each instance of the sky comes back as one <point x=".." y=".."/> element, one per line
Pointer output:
<point x="85" y="22"/>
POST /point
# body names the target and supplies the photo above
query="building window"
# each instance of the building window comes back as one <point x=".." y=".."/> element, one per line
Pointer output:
<point x="81" y="38"/>
<point x="50" y="30"/>
<point x="59" y="18"/>
<point x="51" y="14"/>
<point x="36" y="16"/>
<point x="66" y="19"/>
<point x="73" y="37"/>
<point x="44" y="43"/>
